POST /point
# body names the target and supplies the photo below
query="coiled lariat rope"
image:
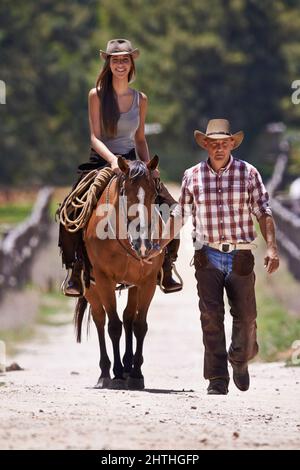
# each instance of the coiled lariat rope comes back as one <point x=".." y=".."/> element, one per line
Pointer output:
<point x="77" y="208"/>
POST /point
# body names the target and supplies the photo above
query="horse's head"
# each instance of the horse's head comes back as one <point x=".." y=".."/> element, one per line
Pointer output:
<point x="138" y="192"/>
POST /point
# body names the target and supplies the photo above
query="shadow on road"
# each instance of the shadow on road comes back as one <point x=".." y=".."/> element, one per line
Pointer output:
<point x="166" y="391"/>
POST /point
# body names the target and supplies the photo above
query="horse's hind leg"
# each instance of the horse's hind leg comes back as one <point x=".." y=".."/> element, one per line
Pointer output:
<point x="128" y="317"/>
<point x="98" y="314"/>
<point x="140" y="327"/>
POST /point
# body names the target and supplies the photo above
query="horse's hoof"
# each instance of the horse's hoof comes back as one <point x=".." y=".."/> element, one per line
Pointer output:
<point x="103" y="382"/>
<point x="118" y="384"/>
<point x="135" y="384"/>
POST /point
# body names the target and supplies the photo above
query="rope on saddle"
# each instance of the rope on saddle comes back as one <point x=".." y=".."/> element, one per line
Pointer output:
<point x="77" y="208"/>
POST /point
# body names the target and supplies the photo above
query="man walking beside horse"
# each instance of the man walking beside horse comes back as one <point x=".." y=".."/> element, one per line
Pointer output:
<point x="222" y="194"/>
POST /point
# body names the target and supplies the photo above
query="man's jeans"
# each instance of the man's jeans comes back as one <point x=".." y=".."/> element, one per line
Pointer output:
<point x="233" y="271"/>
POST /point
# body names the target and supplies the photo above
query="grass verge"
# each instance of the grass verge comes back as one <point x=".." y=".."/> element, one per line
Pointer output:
<point x="278" y="311"/>
<point x="13" y="338"/>
<point x="277" y="329"/>
<point x="54" y="309"/>
<point x="13" y="214"/>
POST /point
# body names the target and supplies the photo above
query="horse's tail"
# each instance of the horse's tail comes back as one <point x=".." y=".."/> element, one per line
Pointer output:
<point x="78" y="317"/>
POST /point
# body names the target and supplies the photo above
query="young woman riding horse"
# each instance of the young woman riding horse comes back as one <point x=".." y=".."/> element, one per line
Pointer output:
<point x="117" y="119"/>
<point x="121" y="259"/>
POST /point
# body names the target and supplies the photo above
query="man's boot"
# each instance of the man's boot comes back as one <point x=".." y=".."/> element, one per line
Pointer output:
<point x="73" y="283"/>
<point x="241" y="376"/>
<point x="218" y="386"/>
<point x="165" y="279"/>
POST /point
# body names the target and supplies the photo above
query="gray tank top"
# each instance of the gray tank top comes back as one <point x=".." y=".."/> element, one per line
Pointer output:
<point x="127" y="127"/>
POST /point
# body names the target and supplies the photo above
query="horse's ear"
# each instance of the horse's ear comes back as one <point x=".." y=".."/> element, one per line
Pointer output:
<point x="152" y="165"/>
<point x="123" y="165"/>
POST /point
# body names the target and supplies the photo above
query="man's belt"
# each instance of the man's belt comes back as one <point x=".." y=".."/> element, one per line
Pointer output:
<point x="227" y="247"/>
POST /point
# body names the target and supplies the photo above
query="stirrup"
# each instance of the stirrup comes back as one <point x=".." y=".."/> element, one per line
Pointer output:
<point x="177" y="289"/>
<point x="65" y="281"/>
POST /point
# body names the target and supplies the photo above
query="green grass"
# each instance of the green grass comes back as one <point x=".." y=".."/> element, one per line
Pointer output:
<point x="277" y="330"/>
<point x="14" y="213"/>
<point x="14" y="337"/>
<point x="54" y="310"/>
<point x="278" y="320"/>
<point x="53" y="208"/>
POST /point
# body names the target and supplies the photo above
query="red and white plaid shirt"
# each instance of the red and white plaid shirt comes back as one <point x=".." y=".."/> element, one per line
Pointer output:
<point x="222" y="203"/>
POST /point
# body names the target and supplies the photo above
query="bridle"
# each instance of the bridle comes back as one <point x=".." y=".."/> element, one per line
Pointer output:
<point x="130" y="249"/>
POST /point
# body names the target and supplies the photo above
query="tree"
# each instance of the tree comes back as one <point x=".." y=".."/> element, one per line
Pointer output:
<point x="199" y="60"/>
<point x="45" y="55"/>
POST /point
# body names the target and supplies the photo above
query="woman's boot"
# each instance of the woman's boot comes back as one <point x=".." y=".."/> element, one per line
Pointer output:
<point x="70" y="245"/>
<point x="165" y="279"/>
<point x="73" y="284"/>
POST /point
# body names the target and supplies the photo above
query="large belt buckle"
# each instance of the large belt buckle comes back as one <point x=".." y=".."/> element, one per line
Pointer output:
<point x="226" y="247"/>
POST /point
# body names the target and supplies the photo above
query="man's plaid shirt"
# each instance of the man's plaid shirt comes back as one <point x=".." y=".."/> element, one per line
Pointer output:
<point x="222" y="203"/>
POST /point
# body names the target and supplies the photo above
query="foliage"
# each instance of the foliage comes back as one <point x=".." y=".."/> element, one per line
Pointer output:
<point x="45" y="54"/>
<point x="199" y="60"/>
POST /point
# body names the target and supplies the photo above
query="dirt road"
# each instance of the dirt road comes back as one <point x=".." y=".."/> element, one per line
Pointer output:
<point x="52" y="405"/>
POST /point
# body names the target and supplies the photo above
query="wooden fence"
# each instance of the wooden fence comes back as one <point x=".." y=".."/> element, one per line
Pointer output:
<point x="20" y="245"/>
<point x="287" y="221"/>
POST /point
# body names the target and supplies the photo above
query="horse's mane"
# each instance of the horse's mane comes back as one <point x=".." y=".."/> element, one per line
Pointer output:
<point x="137" y="168"/>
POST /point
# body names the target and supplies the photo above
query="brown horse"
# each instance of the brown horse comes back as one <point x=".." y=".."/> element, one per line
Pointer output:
<point x="121" y="259"/>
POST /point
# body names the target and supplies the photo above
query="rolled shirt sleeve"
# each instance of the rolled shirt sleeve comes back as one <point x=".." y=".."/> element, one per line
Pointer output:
<point x="259" y="197"/>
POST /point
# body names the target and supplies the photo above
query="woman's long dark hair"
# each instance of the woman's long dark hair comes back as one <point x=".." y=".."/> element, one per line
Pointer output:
<point x="110" y="113"/>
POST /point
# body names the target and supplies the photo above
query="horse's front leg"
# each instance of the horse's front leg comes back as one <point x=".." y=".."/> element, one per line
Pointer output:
<point x="106" y="292"/>
<point x="140" y="327"/>
<point x="104" y="379"/>
<point x="98" y="314"/>
<point x="128" y="318"/>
